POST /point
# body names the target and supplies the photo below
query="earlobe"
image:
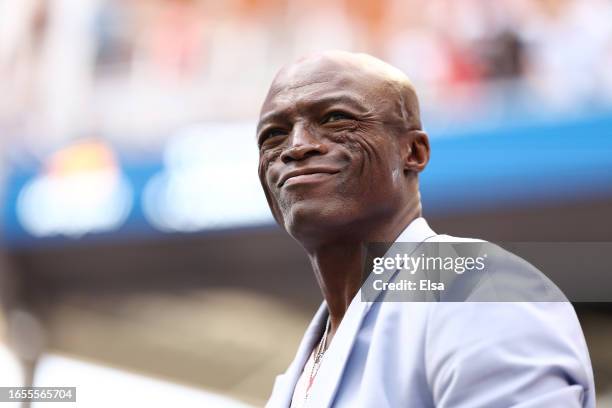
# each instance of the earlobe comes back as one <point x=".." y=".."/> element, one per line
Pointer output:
<point x="416" y="152"/>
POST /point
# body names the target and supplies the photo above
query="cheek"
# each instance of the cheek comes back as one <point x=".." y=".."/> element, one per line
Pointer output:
<point x="397" y="176"/>
<point x="262" y="170"/>
<point x="372" y="151"/>
<point x="376" y="160"/>
<point x="266" y="159"/>
<point x="264" y="178"/>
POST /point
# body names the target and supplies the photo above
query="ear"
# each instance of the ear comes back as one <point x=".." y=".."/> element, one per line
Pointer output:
<point x="415" y="151"/>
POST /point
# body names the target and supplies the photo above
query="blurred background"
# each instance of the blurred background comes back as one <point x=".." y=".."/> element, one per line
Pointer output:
<point x="128" y="270"/>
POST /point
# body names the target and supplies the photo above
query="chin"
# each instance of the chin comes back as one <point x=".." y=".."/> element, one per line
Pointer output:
<point x="309" y="218"/>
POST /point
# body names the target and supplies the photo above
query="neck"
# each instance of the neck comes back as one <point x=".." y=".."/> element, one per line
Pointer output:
<point x="338" y="264"/>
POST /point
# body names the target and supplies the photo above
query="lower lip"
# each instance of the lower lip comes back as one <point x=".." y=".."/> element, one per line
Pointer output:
<point x="307" y="179"/>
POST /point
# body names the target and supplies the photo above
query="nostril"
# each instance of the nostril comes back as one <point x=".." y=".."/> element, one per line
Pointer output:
<point x="295" y="153"/>
<point x="302" y="152"/>
<point x="311" y="153"/>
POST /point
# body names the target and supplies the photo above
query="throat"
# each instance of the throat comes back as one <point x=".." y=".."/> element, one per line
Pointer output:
<point x="338" y="270"/>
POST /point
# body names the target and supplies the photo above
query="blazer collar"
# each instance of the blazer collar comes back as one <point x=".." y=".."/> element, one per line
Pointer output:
<point x="332" y="365"/>
<point x="282" y="397"/>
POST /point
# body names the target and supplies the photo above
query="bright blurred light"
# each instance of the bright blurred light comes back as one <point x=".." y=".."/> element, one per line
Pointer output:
<point x="99" y="386"/>
<point x="80" y="191"/>
<point x="209" y="181"/>
<point x="11" y="373"/>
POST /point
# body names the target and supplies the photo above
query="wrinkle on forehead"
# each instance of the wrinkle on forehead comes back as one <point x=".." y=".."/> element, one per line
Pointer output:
<point x="365" y="74"/>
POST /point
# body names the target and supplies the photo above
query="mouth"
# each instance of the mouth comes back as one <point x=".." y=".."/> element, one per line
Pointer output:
<point x="305" y="175"/>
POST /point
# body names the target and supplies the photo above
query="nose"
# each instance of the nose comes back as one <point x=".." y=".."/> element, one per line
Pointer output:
<point x="303" y="145"/>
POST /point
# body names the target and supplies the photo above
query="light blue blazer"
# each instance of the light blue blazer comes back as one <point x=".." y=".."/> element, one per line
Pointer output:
<point x="443" y="354"/>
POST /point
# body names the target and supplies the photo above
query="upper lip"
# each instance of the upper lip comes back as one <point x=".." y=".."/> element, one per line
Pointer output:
<point x="300" y="172"/>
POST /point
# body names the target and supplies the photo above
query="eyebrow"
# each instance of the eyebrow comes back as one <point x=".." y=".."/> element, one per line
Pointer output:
<point x="340" y="98"/>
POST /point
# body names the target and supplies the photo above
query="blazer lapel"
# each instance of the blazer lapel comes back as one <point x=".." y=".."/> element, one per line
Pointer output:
<point x="332" y="365"/>
<point x="336" y="356"/>
<point x="283" y="395"/>
<point x="334" y="361"/>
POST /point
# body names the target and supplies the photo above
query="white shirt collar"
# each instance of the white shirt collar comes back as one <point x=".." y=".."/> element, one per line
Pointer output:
<point x="417" y="231"/>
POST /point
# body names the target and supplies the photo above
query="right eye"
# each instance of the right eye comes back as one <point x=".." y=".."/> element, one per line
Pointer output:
<point x="336" y="116"/>
<point x="271" y="133"/>
<point x="274" y="132"/>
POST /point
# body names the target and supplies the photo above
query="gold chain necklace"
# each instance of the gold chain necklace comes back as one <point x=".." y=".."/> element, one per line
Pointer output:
<point x="317" y="359"/>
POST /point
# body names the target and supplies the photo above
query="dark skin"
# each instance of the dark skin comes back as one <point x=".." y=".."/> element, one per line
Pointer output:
<point x="341" y="146"/>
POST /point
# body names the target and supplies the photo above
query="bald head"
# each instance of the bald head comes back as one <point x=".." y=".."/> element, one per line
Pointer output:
<point x="375" y="77"/>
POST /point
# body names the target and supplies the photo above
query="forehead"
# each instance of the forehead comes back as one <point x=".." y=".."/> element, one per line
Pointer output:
<point x="314" y="81"/>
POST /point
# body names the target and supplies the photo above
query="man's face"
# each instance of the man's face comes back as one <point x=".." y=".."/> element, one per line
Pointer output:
<point x="329" y="155"/>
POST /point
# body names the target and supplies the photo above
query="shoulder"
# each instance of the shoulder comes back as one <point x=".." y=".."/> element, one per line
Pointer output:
<point x="498" y="337"/>
<point x="501" y="275"/>
<point x="509" y="351"/>
<point x="513" y="333"/>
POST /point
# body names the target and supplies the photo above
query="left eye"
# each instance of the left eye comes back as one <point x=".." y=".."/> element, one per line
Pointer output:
<point x="336" y="116"/>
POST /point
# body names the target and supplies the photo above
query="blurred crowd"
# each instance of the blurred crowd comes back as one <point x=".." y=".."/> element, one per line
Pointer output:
<point x="142" y="67"/>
